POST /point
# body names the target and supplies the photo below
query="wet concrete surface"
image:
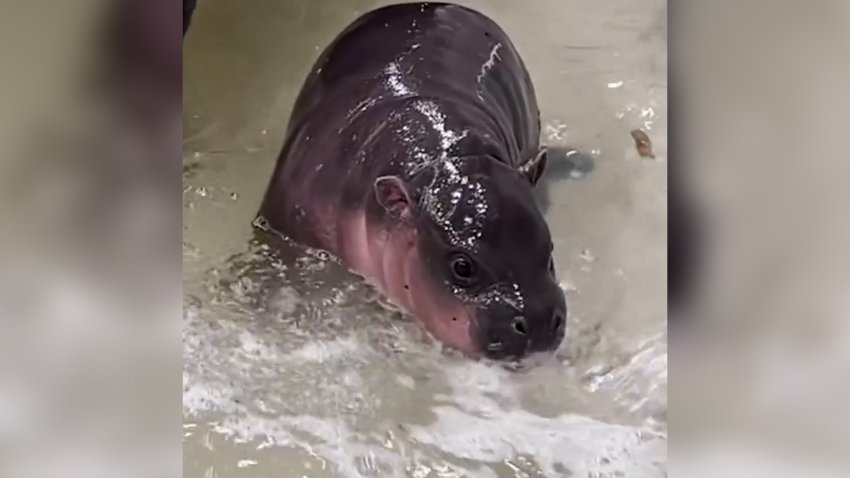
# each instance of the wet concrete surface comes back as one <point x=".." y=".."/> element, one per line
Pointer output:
<point x="293" y="367"/>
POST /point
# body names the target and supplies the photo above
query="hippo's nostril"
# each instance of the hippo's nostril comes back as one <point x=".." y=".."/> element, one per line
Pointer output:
<point x="519" y="325"/>
<point x="557" y="322"/>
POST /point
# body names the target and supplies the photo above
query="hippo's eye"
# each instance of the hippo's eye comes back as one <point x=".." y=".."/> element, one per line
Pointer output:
<point x="463" y="269"/>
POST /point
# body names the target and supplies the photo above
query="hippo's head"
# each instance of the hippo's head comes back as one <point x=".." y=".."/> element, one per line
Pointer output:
<point x="478" y="270"/>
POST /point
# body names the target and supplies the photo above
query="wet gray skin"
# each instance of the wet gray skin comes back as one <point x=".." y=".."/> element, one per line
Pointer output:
<point x="293" y="366"/>
<point x="421" y="121"/>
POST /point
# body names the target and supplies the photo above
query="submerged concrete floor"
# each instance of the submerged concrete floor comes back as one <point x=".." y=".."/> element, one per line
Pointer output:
<point x="309" y="384"/>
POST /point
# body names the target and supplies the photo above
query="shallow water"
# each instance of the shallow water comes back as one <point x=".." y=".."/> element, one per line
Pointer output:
<point x="295" y="367"/>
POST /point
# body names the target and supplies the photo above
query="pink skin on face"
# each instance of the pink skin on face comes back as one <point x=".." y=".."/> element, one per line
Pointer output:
<point x="390" y="259"/>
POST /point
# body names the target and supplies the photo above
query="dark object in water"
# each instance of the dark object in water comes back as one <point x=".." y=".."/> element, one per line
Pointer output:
<point x="643" y="144"/>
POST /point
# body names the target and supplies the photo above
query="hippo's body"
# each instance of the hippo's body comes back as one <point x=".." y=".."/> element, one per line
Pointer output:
<point x="411" y="154"/>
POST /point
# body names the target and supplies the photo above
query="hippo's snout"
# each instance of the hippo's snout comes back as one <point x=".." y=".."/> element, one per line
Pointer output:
<point x="541" y="329"/>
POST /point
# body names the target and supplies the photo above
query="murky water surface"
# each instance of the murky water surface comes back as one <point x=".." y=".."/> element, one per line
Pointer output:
<point x="295" y="367"/>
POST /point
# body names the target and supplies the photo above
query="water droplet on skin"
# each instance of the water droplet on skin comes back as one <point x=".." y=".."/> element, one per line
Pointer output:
<point x="615" y="84"/>
<point x="201" y="191"/>
<point x="234" y="196"/>
<point x="587" y="256"/>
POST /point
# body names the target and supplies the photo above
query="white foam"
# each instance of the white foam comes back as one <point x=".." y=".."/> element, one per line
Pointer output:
<point x="581" y="445"/>
<point x="325" y="351"/>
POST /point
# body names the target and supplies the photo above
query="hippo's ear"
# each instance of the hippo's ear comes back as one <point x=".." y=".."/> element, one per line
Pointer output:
<point x="534" y="167"/>
<point x="392" y="195"/>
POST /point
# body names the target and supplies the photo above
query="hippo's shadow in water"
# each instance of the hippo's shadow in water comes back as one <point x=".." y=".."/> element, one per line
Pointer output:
<point x="562" y="163"/>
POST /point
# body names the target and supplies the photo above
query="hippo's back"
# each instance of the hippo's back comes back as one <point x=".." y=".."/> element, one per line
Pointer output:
<point x="386" y="60"/>
<point x="440" y="50"/>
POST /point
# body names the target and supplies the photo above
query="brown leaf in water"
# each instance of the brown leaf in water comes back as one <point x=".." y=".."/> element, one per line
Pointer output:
<point x="643" y="144"/>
